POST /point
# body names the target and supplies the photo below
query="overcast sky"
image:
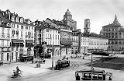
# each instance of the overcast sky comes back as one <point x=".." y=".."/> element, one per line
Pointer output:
<point x="101" y="12"/>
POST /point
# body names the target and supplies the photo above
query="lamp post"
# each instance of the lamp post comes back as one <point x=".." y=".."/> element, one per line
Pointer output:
<point x="92" y="69"/>
<point x="10" y="52"/>
<point x="52" y="57"/>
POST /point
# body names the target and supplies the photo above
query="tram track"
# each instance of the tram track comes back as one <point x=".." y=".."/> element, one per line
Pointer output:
<point x="73" y="67"/>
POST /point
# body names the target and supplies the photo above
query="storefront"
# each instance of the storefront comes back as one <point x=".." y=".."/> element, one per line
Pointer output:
<point x="29" y="47"/>
<point x="17" y="49"/>
<point x="5" y="54"/>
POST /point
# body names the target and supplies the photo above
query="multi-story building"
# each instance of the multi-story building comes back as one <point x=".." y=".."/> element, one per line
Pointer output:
<point x="84" y="43"/>
<point x="4" y="37"/>
<point x="76" y="33"/>
<point x="97" y="41"/>
<point x="115" y="33"/>
<point x="48" y="32"/>
<point x="85" y="37"/>
<point x="92" y="40"/>
<point x="21" y="33"/>
<point x="69" y="34"/>
<point x="59" y="34"/>
<point x="65" y="40"/>
<point x="76" y="41"/>
<point x="22" y="37"/>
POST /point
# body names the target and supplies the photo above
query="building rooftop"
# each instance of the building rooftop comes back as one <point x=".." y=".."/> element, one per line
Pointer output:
<point x="115" y="23"/>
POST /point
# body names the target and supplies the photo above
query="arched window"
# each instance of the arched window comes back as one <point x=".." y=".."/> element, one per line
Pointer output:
<point x="13" y="32"/>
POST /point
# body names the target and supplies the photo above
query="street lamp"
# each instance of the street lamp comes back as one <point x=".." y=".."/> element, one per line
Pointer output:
<point x="52" y="57"/>
<point x="11" y="51"/>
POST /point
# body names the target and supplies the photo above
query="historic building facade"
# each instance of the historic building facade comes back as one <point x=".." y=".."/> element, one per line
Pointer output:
<point x="60" y="31"/>
<point x="84" y="43"/>
<point x="115" y="33"/>
<point x="21" y="33"/>
<point x="47" y="31"/>
<point x="22" y="37"/>
<point x="85" y="37"/>
<point x="97" y="41"/>
<point x="4" y="37"/>
<point x="92" y="40"/>
<point x="76" y="41"/>
<point x="76" y="33"/>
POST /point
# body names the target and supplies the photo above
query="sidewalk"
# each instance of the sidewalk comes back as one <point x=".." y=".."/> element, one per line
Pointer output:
<point x="27" y="69"/>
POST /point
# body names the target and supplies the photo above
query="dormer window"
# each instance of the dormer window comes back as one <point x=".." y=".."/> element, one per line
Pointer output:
<point x="21" y="20"/>
<point x="17" y="19"/>
<point x="13" y="18"/>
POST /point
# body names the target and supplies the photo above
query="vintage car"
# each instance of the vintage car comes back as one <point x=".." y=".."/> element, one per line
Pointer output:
<point x="62" y="64"/>
<point x="99" y="75"/>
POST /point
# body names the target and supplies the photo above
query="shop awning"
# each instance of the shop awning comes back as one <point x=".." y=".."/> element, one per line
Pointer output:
<point x="29" y="41"/>
<point x="17" y="41"/>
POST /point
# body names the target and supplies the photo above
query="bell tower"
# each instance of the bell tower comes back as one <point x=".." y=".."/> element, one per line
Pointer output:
<point x="87" y="26"/>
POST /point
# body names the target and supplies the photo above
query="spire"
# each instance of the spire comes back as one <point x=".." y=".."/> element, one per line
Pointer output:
<point x="115" y="22"/>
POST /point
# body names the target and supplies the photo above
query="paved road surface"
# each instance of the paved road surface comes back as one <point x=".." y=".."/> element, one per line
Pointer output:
<point x="68" y="74"/>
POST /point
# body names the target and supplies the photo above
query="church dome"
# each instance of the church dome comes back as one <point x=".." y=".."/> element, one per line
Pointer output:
<point x="67" y="12"/>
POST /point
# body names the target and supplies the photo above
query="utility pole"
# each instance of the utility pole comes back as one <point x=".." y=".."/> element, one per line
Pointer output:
<point x="92" y="69"/>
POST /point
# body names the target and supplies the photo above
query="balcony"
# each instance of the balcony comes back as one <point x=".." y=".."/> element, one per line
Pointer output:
<point x="4" y="36"/>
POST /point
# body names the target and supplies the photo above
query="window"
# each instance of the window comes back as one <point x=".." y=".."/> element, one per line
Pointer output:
<point x="29" y="27"/>
<point x="86" y="25"/>
<point x="50" y="36"/>
<point x="119" y="42"/>
<point x="26" y="27"/>
<point x="109" y="29"/>
<point x="13" y="32"/>
<point x="32" y="27"/>
<point x="7" y="56"/>
<point x="21" y="27"/>
<point x="116" y="42"/>
<point x="2" y="57"/>
<point x="17" y="32"/>
<point x="12" y="55"/>
<point x="56" y="36"/>
<point x="47" y="30"/>
<point x="17" y="26"/>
